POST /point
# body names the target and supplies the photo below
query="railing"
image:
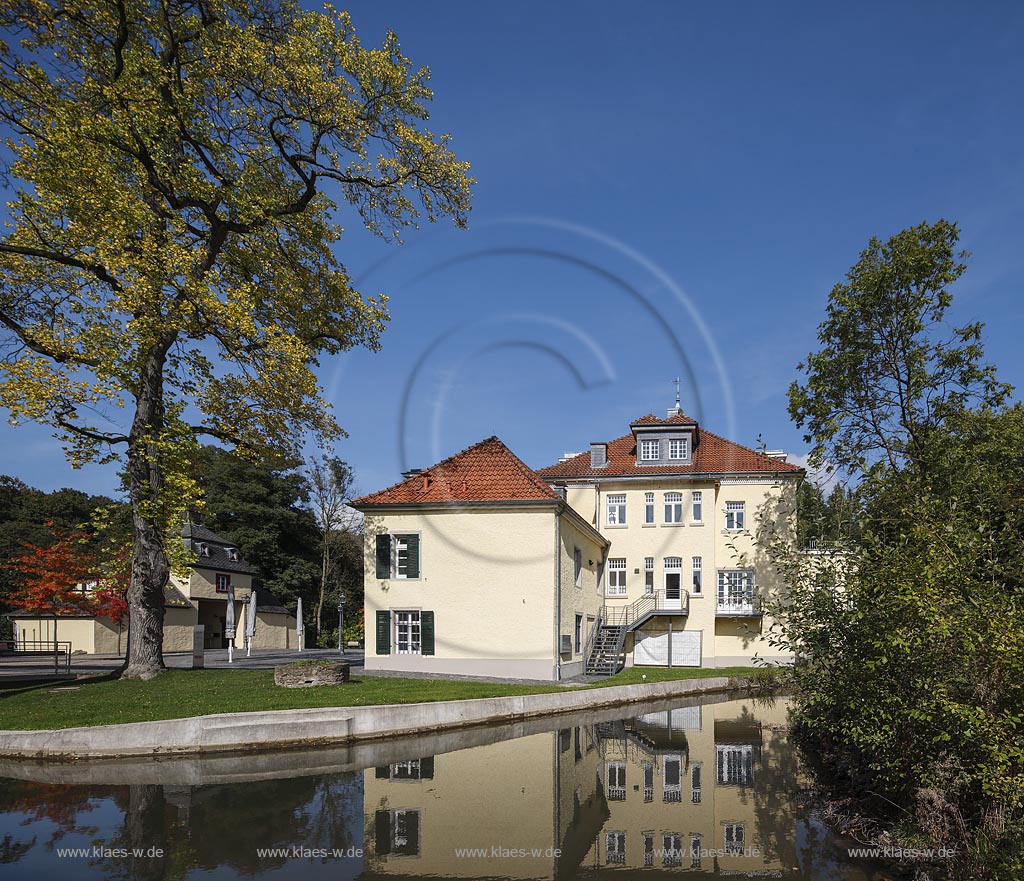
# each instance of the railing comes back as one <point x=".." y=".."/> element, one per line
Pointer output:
<point x="24" y="646"/>
<point x="649" y="603"/>
<point x="738" y="604"/>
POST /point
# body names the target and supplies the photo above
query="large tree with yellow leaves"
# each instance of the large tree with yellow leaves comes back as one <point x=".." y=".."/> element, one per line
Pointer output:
<point x="178" y="174"/>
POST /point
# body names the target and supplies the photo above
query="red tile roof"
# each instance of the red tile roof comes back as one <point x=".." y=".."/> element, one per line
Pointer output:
<point x="712" y="455"/>
<point x="651" y="419"/>
<point x="485" y="472"/>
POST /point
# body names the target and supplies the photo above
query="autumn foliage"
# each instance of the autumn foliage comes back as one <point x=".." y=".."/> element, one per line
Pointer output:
<point x="51" y="579"/>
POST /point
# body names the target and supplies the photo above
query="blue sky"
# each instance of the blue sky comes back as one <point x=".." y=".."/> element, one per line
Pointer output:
<point x="665" y="189"/>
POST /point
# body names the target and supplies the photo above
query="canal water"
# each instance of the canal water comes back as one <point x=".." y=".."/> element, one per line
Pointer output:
<point x="679" y="789"/>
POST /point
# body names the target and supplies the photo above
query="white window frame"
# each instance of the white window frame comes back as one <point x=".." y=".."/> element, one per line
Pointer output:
<point x="695" y="851"/>
<point x="697" y="588"/>
<point x="577" y="567"/>
<point x="400" y="566"/>
<point x="648" y="509"/>
<point x="697" y="506"/>
<point x="734" y="837"/>
<point x="673" y="508"/>
<point x="615" y="848"/>
<point x="413" y="621"/>
<point x="615" y="507"/>
<point x="671" y="849"/>
<point x="648" y="575"/>
<point x="735" y="516"/>
<point x="398" y="846"/>
<point x="646" y="446"/>
<point x="616" y="573"/>
<point x="696" y="783"/>
<point x="218" y="578"/>
<point x="734" y="764"/>
<point x="578" y="634"/>
<point x="736" y="590"/>
<point x="680" y="446"/>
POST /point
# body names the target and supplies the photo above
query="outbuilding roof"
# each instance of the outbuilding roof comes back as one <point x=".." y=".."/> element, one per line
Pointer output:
<point x="485" y="472"/>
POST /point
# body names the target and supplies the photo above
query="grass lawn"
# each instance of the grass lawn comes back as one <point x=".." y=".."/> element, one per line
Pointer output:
<point x="631" y="675"/>
<point x="101" y="700"/>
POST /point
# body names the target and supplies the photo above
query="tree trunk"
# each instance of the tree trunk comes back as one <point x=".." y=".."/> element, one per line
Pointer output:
<point x="325" y="562"/>
<point x="150" y="567"/>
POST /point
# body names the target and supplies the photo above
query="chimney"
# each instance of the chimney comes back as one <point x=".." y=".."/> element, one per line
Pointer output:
<point x="776" y="454"/>
<point x="598" y="455"/>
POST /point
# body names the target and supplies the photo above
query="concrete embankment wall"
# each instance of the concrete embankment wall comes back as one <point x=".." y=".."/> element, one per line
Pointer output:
<point x="281" y="729"/>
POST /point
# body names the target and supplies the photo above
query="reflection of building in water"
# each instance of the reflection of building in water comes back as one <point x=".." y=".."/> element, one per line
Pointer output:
<point x="464" y="814"/>
<point x="694" y="788"/>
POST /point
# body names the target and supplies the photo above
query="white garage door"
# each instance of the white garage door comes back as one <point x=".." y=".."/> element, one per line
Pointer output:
<point x="651" y="649"/>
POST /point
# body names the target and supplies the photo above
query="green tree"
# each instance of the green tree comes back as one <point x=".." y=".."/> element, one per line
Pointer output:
<point x="890" y="368"/>
<point x="169" y="271"/>
<point x="265" y="512"/>
<point x="911" y="693"/>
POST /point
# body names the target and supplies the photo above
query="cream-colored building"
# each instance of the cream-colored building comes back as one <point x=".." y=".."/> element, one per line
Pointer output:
<point x="477" y="566"/>
<point x="685" y="578"/>
<point x="219" y="572"/>
<point x="642" y="550"/>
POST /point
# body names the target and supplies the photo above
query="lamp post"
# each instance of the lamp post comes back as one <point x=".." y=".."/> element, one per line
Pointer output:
<point x="341" y="624"/>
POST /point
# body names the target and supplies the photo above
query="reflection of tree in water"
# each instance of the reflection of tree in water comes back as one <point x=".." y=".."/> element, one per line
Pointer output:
<point x="11" y="851"/>
<point x="194" y="827"/>
<point x="776" y="795"/>
<point x="61" y="805"/>
<point x="211" y="826"/>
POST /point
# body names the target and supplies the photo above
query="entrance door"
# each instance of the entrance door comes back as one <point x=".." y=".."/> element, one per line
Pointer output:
<point x="673" y="590"/>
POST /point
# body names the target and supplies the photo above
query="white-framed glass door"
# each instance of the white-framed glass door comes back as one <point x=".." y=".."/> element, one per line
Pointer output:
<point x="407" y="633"/>
<point x="673" y="583"/>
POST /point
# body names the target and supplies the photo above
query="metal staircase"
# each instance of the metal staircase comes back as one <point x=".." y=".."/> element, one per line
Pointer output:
<point x="606" y="656"/>
<point x="604" y="651"/>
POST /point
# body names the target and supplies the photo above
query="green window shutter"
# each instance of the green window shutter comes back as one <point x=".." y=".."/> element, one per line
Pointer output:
<point x="382" y="830"/>
<point x="413" y="542"/>
<point x="427" y="768"/>
<point x="426" y="633"/>
<point x="383" y="556"/>
<point x="383" y="633"/>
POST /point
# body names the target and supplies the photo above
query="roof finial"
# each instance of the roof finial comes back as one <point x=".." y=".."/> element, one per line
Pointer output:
<point x="676" y="410"/>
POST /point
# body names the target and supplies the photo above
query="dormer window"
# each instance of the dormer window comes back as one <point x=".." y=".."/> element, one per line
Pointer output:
<point x="679" y="448"/>
<point x="232" y="554"/>
<point x="204" y="549"/>
<point x="650" y="450"/>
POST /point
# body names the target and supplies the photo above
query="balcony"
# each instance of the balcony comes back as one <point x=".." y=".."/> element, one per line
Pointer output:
<point x="738" y="605"/>
<point x="648" y="606"/>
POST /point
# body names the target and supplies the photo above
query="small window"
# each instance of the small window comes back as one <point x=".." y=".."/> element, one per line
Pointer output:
<point x="735" y="515"/>
<point x="232" y="554"/>
<point x="406" y="549"/>
<point x="578" y="634"/>
<point x="407" y="633"/>
<point x="617" y="509"/>
<point x="648" y="844"/>
<point x="673" y="507"/>
<point x="615" y="848"/>
<point x="617" y="577"/>
<point x="648" y="508"/>
<point x="672" y="850"/>
<point x="695" y="852"/>
<point x="616" y="781"/>
<point x="697" y="506"/>
<point x="648" y="574"/>
<point x="698" y="580"/>
<point x="204" y="550"/>
<point x="577" y="567"/>
<point x="223" y="583"/>
<point x="650" y="450"/>
<point x="679" y="449"/>
<point x="735" y="837"/>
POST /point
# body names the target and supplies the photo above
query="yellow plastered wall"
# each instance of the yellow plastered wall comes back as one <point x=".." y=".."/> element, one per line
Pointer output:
<point x="78" y="631"/>
<point x="708" y="539"/>
<point x="487" y="574"/>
